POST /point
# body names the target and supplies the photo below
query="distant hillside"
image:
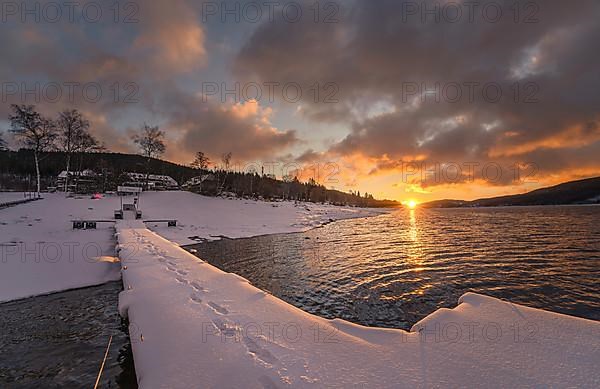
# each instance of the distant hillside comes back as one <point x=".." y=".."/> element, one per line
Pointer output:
<point x="585" y="191"/>
<point x="21" y="163"/>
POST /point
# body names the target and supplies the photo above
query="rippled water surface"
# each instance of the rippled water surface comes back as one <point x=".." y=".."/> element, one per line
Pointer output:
<point x="59" y="341"/>
<point x="395" y="269"/>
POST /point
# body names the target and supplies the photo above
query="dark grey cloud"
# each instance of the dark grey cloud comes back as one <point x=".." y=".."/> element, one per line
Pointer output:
<point x="372" y="54"/>
<point x="243" y="129"/>
<point x="147" y="70"/>
<point x="376" y="52"/>
<point x="309" y="156"/>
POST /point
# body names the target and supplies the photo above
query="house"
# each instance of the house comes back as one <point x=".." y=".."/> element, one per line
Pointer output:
<point x="155" y="181"/>
<point x="205" y="183"/>
<point x="81" y="181"/>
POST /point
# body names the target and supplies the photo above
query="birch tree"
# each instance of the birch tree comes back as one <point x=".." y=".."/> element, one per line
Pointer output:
<point x="151" y="142"/>
<point x="85" y="143"/>
<point x="226" y="159"/>
<point x="73" y="129"/>
<point x="34" y="131"/>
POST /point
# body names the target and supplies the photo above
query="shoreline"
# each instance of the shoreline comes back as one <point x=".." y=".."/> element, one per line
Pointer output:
<point x="185" y="247"/>
<point x="224" y="237"/>
<point x="41" y="253"/>
<point x="190" y="321"/>
<point x="189" y="296"/>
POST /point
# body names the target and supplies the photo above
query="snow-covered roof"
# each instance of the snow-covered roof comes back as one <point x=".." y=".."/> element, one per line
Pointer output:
<point x="168" y="180"/>
<point x="83" y="173"/>
<point x="199" y="179"/>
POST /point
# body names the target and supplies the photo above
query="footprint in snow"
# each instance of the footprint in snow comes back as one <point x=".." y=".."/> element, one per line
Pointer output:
<point x="198" y="287"/>
<point x="195" y="298"/>
<point x="182" y="280"/>
<point x="217" y="308"/>
<point x="226" y="328"/>
<point x="259" y="352"/>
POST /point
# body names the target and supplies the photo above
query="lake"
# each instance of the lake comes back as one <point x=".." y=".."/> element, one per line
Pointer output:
<point x="395" y="269"/>
<point x="59" y="340"/>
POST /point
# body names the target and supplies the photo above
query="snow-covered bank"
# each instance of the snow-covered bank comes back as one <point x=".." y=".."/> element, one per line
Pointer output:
<point x="41" y="253"/>
<point x="201" y="217"/>
<point x="192" y="325"/>
<point x="7" y="197"/>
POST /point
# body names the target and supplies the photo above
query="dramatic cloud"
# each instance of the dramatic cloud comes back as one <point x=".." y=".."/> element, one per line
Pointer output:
<point x="171" y="33"/>
<point x="242" y="129"/>
<point x="416" y="89"/>
<point x="140" y="64"/>
<point x="386" y="86"/>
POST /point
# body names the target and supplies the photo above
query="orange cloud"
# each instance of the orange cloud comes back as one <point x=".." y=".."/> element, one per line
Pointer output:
<point x="575" y="136"/>
<point x="173" y="30"/>
<point x="245" y="129"/>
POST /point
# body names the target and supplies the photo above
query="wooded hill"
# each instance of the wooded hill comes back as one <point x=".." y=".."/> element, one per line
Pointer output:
<point x="585" y="191"/>
<point x="17" y="172"/>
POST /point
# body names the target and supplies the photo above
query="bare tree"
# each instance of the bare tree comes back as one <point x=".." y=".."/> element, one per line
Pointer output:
<point x="73" y="128"/>
<point x="226" y="159"/>
<point x="85" y="143"/>
<point x="34" y="131"/>
<point x="201" y="161"/>
<point x="151" y="142"/>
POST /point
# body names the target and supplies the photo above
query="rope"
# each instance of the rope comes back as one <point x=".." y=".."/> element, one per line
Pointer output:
<point x="103" y="362"/>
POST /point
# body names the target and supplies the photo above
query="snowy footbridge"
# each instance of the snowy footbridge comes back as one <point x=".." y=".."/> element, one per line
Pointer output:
<point x="192" y="325"/>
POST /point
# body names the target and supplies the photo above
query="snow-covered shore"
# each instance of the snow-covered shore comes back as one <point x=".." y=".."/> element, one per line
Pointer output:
<point x="212" y="217"/>
<point x="41" y="253"/>
<point x="7" y="197"/>
<point x="192" y="325"/>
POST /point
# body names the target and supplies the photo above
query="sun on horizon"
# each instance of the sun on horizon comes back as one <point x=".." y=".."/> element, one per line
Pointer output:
<point x="411" y="204"/>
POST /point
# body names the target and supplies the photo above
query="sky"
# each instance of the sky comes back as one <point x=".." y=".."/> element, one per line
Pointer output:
<point x="419" y="100"/>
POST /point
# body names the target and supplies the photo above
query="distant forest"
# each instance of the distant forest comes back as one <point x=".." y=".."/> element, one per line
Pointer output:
<point x="17" y="172"/>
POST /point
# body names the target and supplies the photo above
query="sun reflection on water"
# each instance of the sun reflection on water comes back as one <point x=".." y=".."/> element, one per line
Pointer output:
<point x="415" y="248"/>
<point x="394" y="269"/>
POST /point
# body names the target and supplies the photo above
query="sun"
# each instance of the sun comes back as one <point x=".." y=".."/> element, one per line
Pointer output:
<point x="412" y="204"/>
